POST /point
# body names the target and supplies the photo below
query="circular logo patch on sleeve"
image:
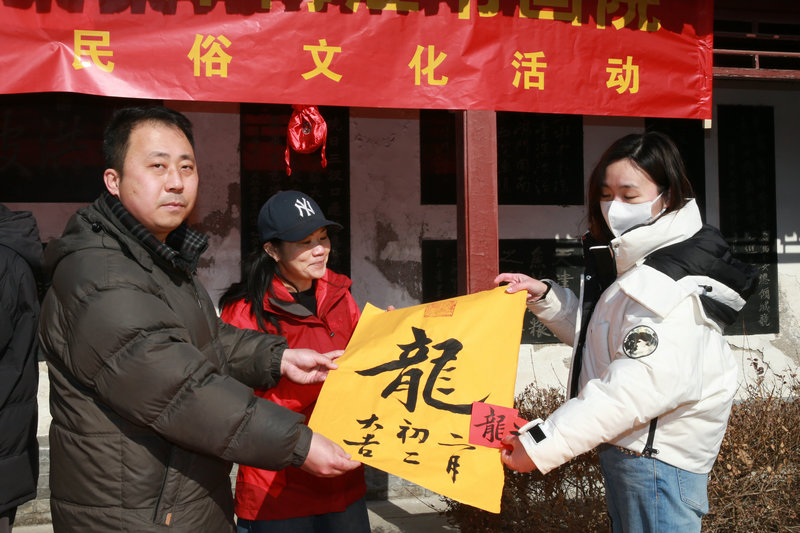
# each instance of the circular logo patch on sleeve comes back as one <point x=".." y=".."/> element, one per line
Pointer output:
<point x="640" y="341"/>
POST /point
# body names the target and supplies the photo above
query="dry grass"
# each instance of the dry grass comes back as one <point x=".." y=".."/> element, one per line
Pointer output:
<point x="755" y="483"/>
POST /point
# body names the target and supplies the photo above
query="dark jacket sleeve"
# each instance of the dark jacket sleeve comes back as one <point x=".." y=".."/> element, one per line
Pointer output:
<point x="137" y="356"/>
<point x="254" y="357"/>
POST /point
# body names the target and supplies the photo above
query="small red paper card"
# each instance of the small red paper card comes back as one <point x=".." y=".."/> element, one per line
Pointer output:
<point x="490" y="423"/>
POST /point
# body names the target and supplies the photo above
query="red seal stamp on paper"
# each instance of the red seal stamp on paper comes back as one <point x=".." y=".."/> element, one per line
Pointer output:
<point x="444" y="308"/>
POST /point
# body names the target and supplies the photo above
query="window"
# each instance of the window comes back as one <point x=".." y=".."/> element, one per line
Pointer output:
<point x="51" y="145"/>
<point x="539" y="158"/>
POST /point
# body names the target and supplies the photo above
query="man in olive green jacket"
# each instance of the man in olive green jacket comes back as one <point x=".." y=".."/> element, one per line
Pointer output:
<point x="150" y="392"/>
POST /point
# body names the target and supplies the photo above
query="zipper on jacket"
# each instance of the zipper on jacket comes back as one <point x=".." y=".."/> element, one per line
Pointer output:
<point x="196" y="294"/>
<point x="163" y="487"/>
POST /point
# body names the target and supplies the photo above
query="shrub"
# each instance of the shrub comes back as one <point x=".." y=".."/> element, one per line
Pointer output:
<point x="755" y="482"/>
<point x="753" y="486"/>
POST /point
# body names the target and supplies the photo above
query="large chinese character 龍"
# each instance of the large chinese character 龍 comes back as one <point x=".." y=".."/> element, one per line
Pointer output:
<point x="409" y="378"/>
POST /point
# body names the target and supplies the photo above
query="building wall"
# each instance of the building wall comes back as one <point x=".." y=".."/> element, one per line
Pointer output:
<point x="386" y="219"/>
<point x="387" y="223"/>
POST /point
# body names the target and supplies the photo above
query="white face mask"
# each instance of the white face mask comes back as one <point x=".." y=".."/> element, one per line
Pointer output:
<point x="622" y="216"/>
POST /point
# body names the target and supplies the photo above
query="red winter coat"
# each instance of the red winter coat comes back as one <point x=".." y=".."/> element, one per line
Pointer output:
<point x="290" y="493"/>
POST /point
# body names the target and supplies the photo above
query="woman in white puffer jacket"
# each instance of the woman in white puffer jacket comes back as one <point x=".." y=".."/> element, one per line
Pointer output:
<point x="652" y="377"/>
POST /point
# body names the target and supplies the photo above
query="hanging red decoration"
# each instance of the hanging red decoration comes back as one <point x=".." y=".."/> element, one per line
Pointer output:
<point x="306" y="133"/>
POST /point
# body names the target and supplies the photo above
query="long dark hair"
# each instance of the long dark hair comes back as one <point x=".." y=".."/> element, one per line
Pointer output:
<point x="258" y="271"/>
<point x="655" y="154"/>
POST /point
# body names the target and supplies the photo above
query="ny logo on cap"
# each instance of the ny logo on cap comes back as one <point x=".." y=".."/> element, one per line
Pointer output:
<point x="302" y="204"/>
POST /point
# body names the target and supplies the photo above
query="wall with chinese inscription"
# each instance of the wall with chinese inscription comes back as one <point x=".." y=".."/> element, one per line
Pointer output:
<point x="764" y="231"/>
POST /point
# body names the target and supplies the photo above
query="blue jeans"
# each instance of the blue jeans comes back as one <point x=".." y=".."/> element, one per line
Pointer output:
<point x="645" y="495"/>
<point x="354" y="519"/>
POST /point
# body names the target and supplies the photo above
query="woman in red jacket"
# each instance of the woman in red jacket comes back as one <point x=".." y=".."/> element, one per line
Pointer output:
<point x="288" y="290"/>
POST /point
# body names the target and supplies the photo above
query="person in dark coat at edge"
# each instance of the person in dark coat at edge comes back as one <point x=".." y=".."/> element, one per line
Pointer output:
<point x="20" y="267"/>
<point x="151" y="393"/>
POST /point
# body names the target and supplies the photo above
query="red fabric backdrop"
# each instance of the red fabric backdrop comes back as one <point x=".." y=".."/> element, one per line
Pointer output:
<point x="595" y="57"/>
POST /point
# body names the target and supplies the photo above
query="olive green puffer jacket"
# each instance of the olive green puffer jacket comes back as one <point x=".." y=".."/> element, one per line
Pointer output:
<point x="150" y="392"/>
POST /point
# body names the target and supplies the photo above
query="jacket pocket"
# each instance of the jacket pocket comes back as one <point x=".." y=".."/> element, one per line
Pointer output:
<point x="171" y="485"/>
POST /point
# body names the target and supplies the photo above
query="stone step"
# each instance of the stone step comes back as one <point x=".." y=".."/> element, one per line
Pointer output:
<point x="405" y="515"/>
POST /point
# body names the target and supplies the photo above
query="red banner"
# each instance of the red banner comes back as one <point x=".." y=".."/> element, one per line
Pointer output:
<point x="594" y="57"/>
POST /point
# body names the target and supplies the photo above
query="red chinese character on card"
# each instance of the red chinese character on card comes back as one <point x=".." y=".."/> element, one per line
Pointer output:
<point x="490" y="423"/>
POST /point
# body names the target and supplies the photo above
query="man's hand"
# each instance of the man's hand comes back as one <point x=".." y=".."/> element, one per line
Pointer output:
<point x="514" y="455"/>
<point x="326" y="458"/>
<point x="306" y="366"/>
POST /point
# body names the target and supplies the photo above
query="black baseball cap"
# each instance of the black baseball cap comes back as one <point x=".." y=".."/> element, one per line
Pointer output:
<point x="290" y="216"/>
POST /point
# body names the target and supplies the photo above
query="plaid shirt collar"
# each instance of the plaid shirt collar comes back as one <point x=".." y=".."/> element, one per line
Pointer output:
<point x="183" y="245"/>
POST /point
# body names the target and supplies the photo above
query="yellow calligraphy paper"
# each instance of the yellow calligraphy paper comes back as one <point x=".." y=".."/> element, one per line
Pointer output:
<point x="401" y="398"/>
